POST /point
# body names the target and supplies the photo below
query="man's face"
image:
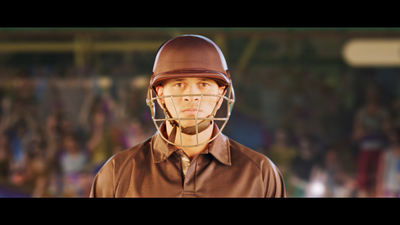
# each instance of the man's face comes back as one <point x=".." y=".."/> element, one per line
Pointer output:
<point x="190" y="106"/>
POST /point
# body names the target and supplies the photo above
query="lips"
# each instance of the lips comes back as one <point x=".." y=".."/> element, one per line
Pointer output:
<point x="190" y="110"/>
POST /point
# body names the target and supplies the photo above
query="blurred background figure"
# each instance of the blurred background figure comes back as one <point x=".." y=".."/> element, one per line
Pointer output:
<point x="302" y="167"/>
<point x="388" y="174"/>
<point x="371" y="126"/>
<point x="282" y="153"/>
<point x="5" y="157"/>
<point x="73" y="159"/>
<point x="333" y="178"/>
<point x="331" y="126"/>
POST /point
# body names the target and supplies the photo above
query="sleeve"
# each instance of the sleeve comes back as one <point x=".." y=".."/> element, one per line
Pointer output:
<point x="104" y="181"/>
<point x="274" y="183"/>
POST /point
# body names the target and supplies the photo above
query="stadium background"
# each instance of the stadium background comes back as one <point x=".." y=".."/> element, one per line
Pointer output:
<point x="72" y="97"/>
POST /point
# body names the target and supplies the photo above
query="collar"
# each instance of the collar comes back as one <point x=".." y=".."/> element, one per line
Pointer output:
<point x="219" y="147"/>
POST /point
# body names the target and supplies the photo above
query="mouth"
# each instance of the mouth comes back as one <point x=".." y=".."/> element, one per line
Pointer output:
<point x="190" y="111"/>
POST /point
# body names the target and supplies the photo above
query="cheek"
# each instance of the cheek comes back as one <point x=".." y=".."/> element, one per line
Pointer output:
<point x="169" y="103"/>
<point x="209" y="103"/>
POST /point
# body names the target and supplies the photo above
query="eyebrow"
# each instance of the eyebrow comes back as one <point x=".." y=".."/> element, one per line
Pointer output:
<point x="177" y="79"/>
<point x="183" y="79"/>
<point x="206" y="79"/>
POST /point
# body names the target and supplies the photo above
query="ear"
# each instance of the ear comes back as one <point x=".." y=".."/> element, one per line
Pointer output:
<point x="160" y="92"/>
<point x="221" y="91"/>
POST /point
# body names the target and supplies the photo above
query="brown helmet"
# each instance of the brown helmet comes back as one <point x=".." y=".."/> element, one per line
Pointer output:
<point x="190" y="56"/>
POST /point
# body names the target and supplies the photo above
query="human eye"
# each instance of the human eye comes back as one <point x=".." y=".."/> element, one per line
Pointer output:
<point x="178" y="85"/>
<point x="204" y="84"/>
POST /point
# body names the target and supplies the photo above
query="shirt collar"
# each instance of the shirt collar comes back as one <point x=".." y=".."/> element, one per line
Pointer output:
<point x="219" y="147"/>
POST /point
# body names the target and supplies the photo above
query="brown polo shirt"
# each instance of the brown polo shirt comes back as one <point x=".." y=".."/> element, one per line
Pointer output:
<point x="155" y="168"/>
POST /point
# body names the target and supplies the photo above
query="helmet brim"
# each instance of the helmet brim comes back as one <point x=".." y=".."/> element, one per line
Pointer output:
<point x="219" y="77"/>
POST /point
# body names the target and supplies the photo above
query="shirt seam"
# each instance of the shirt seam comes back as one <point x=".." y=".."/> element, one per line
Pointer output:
<point x="256" y="164"/>
<point x="259" y="168"/>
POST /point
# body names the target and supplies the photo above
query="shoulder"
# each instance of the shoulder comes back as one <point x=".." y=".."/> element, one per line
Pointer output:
<point x="106" y="179"/>
<point x="247" y="154"/>
<point x="132" y="151"/>
<point x="120" y="159"/>
<point x="269" y="173"/>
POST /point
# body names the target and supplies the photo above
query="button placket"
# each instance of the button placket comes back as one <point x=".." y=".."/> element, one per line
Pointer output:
<point x="185" y="164"/>
<point x="189" y="171"/>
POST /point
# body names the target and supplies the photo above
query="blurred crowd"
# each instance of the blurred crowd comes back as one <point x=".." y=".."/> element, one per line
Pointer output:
<point x="58" y="131"/>
<point x="331" y="135"/>
<point x="334" y="135"/>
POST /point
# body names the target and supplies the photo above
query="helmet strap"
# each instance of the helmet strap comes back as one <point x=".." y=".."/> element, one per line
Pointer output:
<point x="202" y="126"/>
<point x="191" y="130"/>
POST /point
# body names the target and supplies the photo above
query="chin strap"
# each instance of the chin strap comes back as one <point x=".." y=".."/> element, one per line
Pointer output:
<point x="202" y="126"/>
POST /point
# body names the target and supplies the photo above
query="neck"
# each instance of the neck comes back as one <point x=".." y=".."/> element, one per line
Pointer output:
<point x="188" y="140"/>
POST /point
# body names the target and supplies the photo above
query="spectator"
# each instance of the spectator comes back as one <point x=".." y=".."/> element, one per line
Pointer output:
<point x="73" y="159"/>
<point x="37" y="168"/>
<point x="337" y="181"/>
<point x="97" y="144"/>
<point x="395" y="111"/>
<point x="388" y="175"/>
<point x="73" y="163"/>
<point x="301" y="167"/>
<point x="5" y="157"/>
<point x="371" y="124"/>
<point x="282" y="154"/>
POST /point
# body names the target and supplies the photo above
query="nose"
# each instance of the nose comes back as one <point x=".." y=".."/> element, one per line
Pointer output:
<point x="192" y="90"/>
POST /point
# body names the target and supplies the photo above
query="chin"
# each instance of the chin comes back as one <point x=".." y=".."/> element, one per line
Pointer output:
<point x="189" y="123"/>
